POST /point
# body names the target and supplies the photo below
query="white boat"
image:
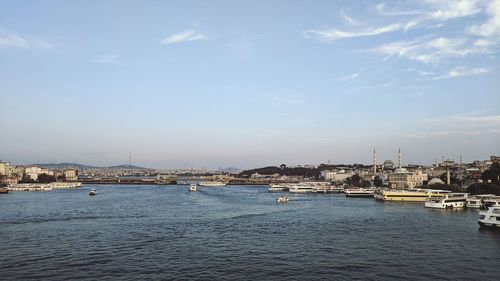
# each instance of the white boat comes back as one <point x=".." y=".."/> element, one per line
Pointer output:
<point x="276" y="188"/>
<point x="491" y="202"/>
<point x="212" y="183"/>
<point x="192" y="187"/>
<point x="359" y="192"/>
<point x="282" y="199"/>
<point x="301" y="188"/>
<point x="92" y="192"/>
<point x="449" y="201"/>
<point x="476" y="201"/>
<point x="490" y="218"/>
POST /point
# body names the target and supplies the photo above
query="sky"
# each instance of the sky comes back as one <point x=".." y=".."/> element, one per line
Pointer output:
<point x="248" y="83"/>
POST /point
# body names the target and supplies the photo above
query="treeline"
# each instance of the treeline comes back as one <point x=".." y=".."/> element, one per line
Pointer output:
<point x="283" y="171"/>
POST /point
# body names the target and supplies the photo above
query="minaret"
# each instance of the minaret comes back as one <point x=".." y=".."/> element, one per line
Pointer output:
<point x="448" y="176"/>
<point x="130" y="158"/>
<point x="374" y="162"/>
<point x="399" y="158"/>
<point x="460" y="160"/>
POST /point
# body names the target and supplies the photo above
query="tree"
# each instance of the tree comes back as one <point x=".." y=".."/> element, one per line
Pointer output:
<point x="378" y="181"/>
<point x="492" y="174"/>
<point x="44" y="178"/>
<point x="483" y="188"/>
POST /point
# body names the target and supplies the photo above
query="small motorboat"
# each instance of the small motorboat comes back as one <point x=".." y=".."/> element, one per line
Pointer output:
<point x="282" y="199"/>
<point x="192" y="187"/>
<point x="92" y="192"/>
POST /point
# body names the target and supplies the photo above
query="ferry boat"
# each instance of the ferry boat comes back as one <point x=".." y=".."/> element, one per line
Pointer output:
<point x="301" y="188"/>
<point x="282" y="199"/>
<point x="277" y="188"/>
<point x="410" y="195"/>
<point x="192" y="187"/>
<point x="93" y="192"/>
<point x="329" y="189"/>
<point x="451" y="200"/>
<point x="212" y="183"/>
<point x="30" y="187"/>
<point x="359" y="192"/>
<point x="476" y="201"/>
<point x="491" y="202"/>
<point x="490" y="218"/>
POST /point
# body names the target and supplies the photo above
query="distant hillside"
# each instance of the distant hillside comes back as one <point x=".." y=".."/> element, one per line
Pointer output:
<point x="231" y="170"/>
<point x="62" y="166"/>
<point x="124" y="167"/>
<point x="297" y="171"/>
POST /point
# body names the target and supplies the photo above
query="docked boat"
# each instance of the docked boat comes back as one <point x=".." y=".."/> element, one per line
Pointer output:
<point x="491" y="202"/>
<point x="212" y="183"/>
<point x="410" y="195"/>
<point x="490" y="218"/>
<point x="476" y="201"/>
<point x="277" y="188"/>
<point x="329" y="189"/>
<point x="30" y="187"/>
<point x="3" y="190"/>
<point x="449" y="201"/>
<point x="301" y="188"/>
<point x="359" y="192"/>
<point x="93" y="192"/>
<point x="192" y="187"/>
<point x="282" y="199"/>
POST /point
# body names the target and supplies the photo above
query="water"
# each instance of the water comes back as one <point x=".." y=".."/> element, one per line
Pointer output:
<point x="235" y="233"/>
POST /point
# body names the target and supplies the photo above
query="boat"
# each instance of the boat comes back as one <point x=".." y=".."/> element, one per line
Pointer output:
<point x="212" y="183"/>
<point x="3" y="190"/>
<point x="491" y="202"/>
<point x="281" y="199"/>
<point x="30" y="187"/>
<point x="476" y="201"/>
<point x="301" y="188"/>
<point x="359" y="192"/>
<point x="92" y="192"/>
<point x="277" y="188"/>
<point x="410" y="195"/>
<point x="489" y="218"/>
<point x="449" y="201"/>
<point x="192" y="187"/>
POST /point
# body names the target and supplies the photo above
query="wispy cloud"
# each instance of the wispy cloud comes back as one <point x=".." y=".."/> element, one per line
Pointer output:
<point x="432" y="50"/>
<point x="488" y="120"/>
<point x="10" y="39"/>
<point x="106" y="59"/>
<point x="460" y="71"/>
<point x="335" y="34"/>
<point x="492" y="26"/>
<point x="348" y="19"/>
<point x="352" y="76"/>
<point x="183" y="36"/>
<point x="459" y="125"/>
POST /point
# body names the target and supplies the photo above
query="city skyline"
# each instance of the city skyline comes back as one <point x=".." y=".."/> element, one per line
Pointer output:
<point x="226" y="84"/>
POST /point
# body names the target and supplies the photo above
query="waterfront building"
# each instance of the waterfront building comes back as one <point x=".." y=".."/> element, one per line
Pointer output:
<point x="71" y="174"/>
<point x="5" y="169"/>
<point x="402" y="179"/>
<point x="34" y="171"/>
<point x="337" y="176"/>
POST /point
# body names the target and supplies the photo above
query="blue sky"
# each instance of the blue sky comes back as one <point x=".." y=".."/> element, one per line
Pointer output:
<point x="248" y="83"/>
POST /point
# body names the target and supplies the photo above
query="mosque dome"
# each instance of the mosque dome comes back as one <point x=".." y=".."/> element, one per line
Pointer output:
<point x="435" y="181"/>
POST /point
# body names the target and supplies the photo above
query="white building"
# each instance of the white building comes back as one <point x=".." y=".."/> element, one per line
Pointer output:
<point x="337" y="176"/>
<point x="71" y="174"/>
<point x="5" y="169"/>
